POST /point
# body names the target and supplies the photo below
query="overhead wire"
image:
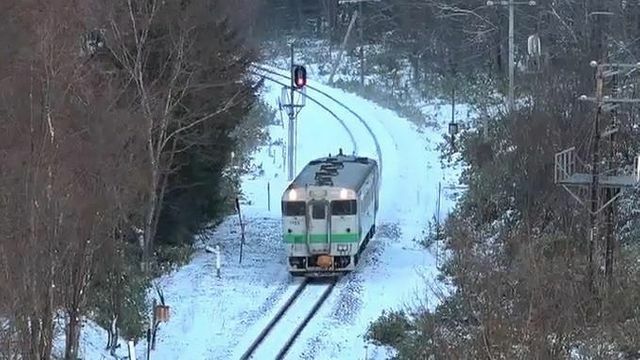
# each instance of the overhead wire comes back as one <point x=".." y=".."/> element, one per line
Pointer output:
<point x="360" y="119"/>
<point x="342" y="123"/>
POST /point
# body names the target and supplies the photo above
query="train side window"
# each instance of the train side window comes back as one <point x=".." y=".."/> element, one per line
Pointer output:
<point x="293" y="208"/>
<point x="343" y="207"/>
<point x="317" y="211"/>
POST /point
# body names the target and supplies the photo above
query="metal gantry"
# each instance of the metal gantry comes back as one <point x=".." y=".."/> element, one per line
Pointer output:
<point x="576" y="175"/>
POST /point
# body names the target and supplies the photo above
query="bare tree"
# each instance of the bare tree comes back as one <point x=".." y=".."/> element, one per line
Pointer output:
<point x="162" y="82"/>
<point x="58" y="205"/>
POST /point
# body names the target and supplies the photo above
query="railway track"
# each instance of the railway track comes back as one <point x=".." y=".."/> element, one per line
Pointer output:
<point x="277" y="337"/>
<point x="340" y="120"/>
<point x="260" y="70"/>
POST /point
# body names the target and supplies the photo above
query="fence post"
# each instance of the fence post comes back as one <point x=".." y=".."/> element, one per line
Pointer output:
<point x="438" y="220"/>
<point x="154" y="323"/>
<point x="132" y="350"/>
<point x="269" y="196"/>
<point x="241" y="228"/>
<point x="218" y="261"/>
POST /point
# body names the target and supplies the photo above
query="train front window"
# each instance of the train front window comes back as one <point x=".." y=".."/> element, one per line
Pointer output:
<point x="343" y="207"/>
<point x="293" y="208"/>
<point x="317" y="211"/>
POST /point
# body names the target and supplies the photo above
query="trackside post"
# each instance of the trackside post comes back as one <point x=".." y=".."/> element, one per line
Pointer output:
<point x="132" y="350"/>
<point x="218" y="261"/>
<point x="241" y="228"/>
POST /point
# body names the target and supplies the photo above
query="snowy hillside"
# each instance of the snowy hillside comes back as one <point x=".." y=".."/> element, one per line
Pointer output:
<point x="216" y="318"/>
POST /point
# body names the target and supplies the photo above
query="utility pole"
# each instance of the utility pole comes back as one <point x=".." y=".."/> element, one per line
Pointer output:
<point x="511" y="4"/>
<point x="343" y="47"/>
<point x="359" y="14"/>
<point x="610" y="194"/>
<point x="361" y="23"/>
<point x="569" y="171"/>
<point x="453" y="123"/>
<point x="292" y="118"/>
<point x="453" y="126"/>
<point x="595" y="150"/>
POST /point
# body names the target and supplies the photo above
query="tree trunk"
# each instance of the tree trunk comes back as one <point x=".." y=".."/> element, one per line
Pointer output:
<point x="332" y="14"/>
<point x="109" y="334"/>
<point x="116" y="335"/>
<point x="415" y="73"/>
<point x="34" y="330"/>
<point x="163" y="187"/>
<point x="46" y="335"/>
<point x="73" y="336"/>
<point x="151" y="211"/>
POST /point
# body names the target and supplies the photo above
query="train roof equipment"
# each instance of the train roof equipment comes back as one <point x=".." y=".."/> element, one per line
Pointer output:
<point x="345" y="171"/>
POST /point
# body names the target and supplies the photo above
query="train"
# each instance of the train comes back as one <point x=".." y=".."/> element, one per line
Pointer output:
<point x="329" y="214"/>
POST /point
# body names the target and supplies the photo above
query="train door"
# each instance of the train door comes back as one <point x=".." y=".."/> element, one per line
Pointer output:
<point x="318" y="234"/>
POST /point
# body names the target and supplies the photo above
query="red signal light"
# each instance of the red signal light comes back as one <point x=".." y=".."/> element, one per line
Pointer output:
<point x="299" y="76"/>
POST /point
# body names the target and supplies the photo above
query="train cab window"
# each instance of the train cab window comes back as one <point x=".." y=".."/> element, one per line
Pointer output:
<point x="343" y="207"/>
<point x="293" y="208"/>
<point x="317" y="211"/>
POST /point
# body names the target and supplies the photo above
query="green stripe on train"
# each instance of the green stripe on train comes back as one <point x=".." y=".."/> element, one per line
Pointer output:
<point x="321" y="238"/>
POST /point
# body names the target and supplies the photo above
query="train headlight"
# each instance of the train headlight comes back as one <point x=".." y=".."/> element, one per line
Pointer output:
<point x="342" y="247"/>
<point x="343" y="193"/>
<point x="293" y="195"/>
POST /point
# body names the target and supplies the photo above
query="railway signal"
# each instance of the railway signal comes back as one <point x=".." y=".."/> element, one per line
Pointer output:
<point x="298" y="83"/>
<point x="453" y="131"/>
<point x="299" y="76"/>
<point x="453" y="125"/>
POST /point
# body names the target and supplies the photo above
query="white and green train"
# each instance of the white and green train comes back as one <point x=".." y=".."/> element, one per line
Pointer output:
<point x="329" y="214"/>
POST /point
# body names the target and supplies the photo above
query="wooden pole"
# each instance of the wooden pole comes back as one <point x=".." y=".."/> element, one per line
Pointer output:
<point x="344" y="45"/>
<point x="241" y="229"/>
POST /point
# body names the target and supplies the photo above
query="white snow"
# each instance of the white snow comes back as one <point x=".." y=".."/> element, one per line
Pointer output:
<point x="214" y="318"/>
<point x="284" y="328"/>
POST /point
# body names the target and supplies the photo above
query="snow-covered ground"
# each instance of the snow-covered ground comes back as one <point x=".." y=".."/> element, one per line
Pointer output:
<point x="216" y="318"/>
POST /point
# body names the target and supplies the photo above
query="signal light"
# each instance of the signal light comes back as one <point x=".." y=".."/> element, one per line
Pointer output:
<point x="299" y="76"/>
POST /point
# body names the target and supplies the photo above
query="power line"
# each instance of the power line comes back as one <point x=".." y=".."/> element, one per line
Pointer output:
<point x="314" y="100"/>
<point x="360" y="119"/>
